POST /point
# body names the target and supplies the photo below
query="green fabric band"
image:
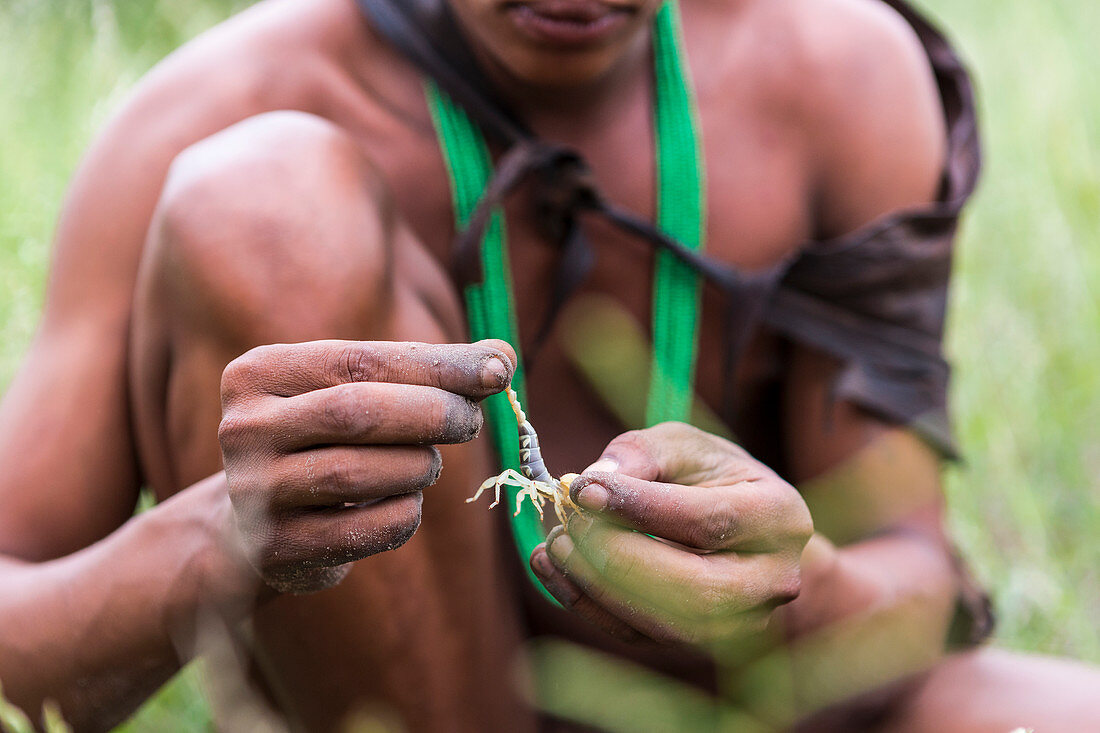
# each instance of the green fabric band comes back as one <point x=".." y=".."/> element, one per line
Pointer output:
<point x="681" y="205"/>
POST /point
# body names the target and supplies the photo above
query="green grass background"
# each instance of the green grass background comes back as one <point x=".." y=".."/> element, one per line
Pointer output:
<point x="1024" y="330"/>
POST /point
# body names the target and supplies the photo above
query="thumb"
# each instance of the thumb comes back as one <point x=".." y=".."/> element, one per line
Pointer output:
<point x="632" y="454"/>
<point x="664" y="452"/>
<point x="636" y="454"/>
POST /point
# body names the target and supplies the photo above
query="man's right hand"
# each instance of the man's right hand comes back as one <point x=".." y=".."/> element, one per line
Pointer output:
<point x="328" y="445"/>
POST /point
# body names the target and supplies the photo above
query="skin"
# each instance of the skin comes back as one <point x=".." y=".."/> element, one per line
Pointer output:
<point x="698" y="492"/>
<point x="255" y="320"/>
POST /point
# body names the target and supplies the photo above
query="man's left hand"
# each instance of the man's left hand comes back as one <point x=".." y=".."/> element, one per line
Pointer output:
<point x="684" y="538"/>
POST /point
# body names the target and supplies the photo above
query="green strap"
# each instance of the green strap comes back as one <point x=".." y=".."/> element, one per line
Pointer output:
<point x="490" y="306"/>
<point x="680" y="213"/>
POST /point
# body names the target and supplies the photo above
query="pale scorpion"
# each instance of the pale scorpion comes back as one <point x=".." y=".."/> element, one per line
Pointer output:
<point x="535" y="483"/>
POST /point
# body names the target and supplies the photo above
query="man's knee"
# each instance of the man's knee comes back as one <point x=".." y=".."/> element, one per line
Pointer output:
<point x="277" y="223"/>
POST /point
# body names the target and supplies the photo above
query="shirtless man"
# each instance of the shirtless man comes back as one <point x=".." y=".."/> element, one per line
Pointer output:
<point x="277" y="181"/>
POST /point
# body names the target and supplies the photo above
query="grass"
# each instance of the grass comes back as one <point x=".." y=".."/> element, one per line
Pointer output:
<point x="1024" y="328"/>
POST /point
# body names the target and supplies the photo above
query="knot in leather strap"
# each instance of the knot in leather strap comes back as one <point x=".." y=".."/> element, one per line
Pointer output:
<point x="563" y="186"/>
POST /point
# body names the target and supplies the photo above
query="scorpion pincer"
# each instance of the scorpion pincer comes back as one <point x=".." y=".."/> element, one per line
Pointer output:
<point x="533" y="480"/>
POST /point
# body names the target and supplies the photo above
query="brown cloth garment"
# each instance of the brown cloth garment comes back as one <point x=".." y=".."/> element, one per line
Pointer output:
<point x="874" y="299"/>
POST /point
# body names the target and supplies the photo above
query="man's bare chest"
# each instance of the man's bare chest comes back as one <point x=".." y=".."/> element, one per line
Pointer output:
<point x="757" y="213"/>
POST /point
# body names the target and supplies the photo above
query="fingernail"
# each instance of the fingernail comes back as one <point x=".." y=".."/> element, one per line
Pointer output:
<point x="579" y="525"/>
<point x="540" y="563"/>
<point x="593" y="497"/>
<point x="494" y="373"/>
<point x="561" y="547"/>
<point x="607" y="465"/>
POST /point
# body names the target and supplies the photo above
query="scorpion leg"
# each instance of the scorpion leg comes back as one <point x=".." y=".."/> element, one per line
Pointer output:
<point x="559" y="510"/>
<point x="507" y="478"/>
<point x="530" y="490"/>
<point x="535" y="483"/>
<point x="562" y="502"/>
<point x="491" y="481"/>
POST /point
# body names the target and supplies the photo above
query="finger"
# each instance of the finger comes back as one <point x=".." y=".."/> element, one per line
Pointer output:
<point x="650" y="619"/>
<point x="678" y="453"/>
<point x="332" y="476"/>
<point x="630" y="453"/>
<point x="595" y="597"/>
<point x="330" y="537"/>
<point x="472" y="370"/>
<point x="572" y="598"/>
<point x="685" y="584"/>
<point x="371" y="413"/>
<point x="758" y="515"/>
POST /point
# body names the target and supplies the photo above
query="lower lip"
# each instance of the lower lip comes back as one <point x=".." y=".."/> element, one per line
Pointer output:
<point x="566" y="32"/>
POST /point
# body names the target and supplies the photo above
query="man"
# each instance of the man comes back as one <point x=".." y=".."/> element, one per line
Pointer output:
<point x="277" y="184"/>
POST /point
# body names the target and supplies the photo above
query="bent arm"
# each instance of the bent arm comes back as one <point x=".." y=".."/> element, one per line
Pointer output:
<point x="875" y="496"/>
<point x="91" y="626"/>
<point x="100" y="629"/>
<point x="879" y="577"/>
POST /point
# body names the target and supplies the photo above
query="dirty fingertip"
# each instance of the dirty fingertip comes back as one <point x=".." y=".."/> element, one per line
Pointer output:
<point x="606" y="464"/>
<point x="540" y="562"/>
<point x="589" y="494"/>
<point x="494" y="373"/>
<point x="503" y="347"/>
<point x="560" y="547"/>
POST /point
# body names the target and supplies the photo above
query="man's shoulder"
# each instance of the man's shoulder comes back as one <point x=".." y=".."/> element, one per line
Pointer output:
<point x="854" y="78"/>
<point x="818" y="50"/>
<point x="263" y="58"/>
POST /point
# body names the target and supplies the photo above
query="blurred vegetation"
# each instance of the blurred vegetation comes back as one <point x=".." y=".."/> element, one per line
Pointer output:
<point x="1025" y="319"/>
<point x="1024" y="329"/>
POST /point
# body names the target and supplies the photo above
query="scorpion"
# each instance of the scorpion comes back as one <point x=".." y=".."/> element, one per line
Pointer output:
<point x="535" y="483"/>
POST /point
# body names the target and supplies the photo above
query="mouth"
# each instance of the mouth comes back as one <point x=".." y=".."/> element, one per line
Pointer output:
<point x="568" y="23"/>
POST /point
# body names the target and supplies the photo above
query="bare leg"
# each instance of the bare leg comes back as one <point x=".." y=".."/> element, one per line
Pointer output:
<point x="985" y="690"/>
<point x="997" y="691"/>
<point x="278" y="230"/>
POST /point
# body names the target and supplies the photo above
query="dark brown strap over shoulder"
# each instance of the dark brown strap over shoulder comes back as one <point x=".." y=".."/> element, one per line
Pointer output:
<point x="426" y="33"/>
<point x="875" y="299"/>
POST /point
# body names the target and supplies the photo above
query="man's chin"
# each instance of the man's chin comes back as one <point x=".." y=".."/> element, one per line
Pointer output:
<point x="553" y="71"/>
<point x="526" y="41"/>
<point x="558" y="73"/>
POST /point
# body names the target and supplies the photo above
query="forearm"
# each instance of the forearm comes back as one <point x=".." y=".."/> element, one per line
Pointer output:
<point x="100" y="629"/>
<point x="876" y="606"/>
<point x="899" y="568"/>
<point x="869" y="614"/>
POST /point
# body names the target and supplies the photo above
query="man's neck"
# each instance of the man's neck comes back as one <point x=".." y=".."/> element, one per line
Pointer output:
<point x="553" y="107"/>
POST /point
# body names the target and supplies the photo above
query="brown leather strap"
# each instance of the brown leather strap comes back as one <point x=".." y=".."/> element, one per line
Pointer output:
<point x="875" y="299"/>
<point x="426" y="33"/>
